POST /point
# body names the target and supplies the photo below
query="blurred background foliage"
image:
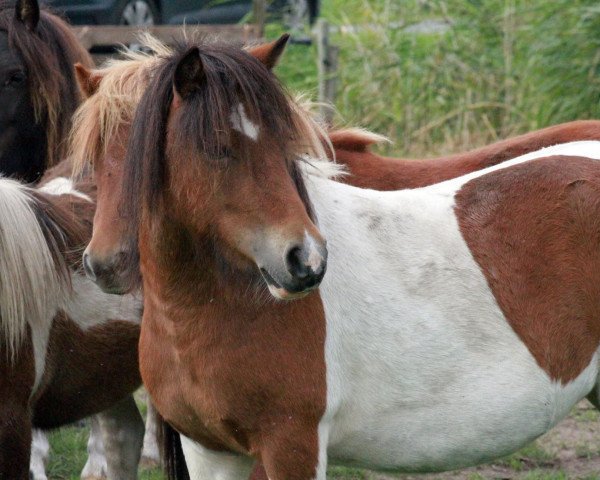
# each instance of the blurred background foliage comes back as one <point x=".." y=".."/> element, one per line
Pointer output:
<point x="439" y="76"/>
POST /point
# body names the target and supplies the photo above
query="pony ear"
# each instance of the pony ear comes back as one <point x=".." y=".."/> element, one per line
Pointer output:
<point x="88" y="80"/>
<point x="28" y="13"/>
<point x="189" y="74"/>
<point x="269" y="53"/>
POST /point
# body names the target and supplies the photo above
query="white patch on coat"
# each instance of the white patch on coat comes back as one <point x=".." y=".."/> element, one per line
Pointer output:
<point x="96" y="465"/>
<point x="89" y="306"/>
<point x="241" y="123"/>
<point x="40" y="449"/>
<point x="424" y="372"/>
<point x="204" y="463"/>
<point x="150" y="450"/>
<point x="63" y="186"/>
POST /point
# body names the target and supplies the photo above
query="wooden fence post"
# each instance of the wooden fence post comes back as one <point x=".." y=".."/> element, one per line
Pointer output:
<point x="259" y="14"/>
<point x="327" y="63"/>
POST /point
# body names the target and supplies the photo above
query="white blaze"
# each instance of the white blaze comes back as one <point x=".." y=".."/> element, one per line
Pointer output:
<point x="241" y="123"/>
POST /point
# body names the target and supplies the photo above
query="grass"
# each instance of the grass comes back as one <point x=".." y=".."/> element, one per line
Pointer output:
<point x="500" y="67"/>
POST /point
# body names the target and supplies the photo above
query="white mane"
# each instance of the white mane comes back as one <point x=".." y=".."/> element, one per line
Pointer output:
<point x="30" y="282"/>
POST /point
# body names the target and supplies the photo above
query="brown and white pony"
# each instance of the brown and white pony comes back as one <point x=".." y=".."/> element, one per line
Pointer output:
<point x="102" y="130"/>
<point x="417" y="340"/>
<point x="68" y="349"/>
<point x="39" y="94"/>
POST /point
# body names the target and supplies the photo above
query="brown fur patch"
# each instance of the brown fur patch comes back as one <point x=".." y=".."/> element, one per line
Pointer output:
<point x="251" y="376"/>
<point x="16" y="382"/>
<point x="87" y="371"/>
<point x="534" y="229"/>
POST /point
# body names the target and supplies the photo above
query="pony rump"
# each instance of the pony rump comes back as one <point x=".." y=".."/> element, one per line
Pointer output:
<point x="49" y="53"/>
<point x="32" y="272"/>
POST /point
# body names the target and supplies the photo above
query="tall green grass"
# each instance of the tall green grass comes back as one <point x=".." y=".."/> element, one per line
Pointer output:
<point x="500" y="67"/>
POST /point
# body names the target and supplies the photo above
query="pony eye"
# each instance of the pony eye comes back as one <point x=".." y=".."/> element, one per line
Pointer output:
<point x="16" y="78"/>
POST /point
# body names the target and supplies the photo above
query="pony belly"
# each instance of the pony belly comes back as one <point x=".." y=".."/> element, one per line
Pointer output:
<point x="460" y="430"/>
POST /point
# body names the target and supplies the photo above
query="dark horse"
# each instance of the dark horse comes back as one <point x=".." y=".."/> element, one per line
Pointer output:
<point x="38" y="90"/>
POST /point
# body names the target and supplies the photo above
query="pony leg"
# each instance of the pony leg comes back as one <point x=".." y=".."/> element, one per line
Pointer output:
<point x="594" y="396"/>
<point x="203" y="463"/>
<point x="95" y="467"/>
<point x="40" y="448"/>
<point x="150" y="451"/>
<point x="122" y="434"/>
<point x="15" y="442"/>
<point x="296" y="454"/>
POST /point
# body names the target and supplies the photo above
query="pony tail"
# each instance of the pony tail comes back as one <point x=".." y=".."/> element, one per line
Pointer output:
<point x="173" y="460"/>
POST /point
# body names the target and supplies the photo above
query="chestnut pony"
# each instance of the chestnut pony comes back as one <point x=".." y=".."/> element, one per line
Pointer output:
<point x="444" y="332"/>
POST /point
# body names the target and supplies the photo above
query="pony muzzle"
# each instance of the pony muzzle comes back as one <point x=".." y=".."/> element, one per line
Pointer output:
<point x="299" y="271"/>
<point x="106" y="273"/>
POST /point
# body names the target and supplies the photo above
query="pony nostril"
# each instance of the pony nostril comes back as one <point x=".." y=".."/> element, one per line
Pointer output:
<point x="296" y="265"/>
<point x="88" y="268"/>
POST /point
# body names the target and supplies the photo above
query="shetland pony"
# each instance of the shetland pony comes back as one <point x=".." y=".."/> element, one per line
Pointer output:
<point x="38" y="91"/>
<point x="66" y="346"/>
<point x="455" y="324"/>
<point x="369" y="170"/>
<point x="124" y="84"/>
<point x="39" y="94"/>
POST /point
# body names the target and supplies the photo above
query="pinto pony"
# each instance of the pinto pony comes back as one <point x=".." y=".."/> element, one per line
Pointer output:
<point x="68" y="350"/>
<point x="101" y="131"/>
<point x="484" y="356"/>
<point x="39" y="93"/>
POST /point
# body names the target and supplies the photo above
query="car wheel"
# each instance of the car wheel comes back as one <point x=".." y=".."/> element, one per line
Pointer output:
<point x="137" y="13"/>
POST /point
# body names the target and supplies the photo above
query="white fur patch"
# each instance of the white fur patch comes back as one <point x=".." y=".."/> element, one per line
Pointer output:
<point x="241" y="123"/>
<point x="88" y="305"/>
<point x="40" y="448"/>
<point x="204" y="463"/>
<point x="63" y="186"/>
<point x="96" y="465"/>
<point x="424" y="372"/>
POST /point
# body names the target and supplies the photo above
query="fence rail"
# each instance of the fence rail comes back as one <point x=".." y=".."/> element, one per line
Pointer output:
<point x="104" y="35"/>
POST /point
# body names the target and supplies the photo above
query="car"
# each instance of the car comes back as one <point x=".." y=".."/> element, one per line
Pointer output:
<point x="296" y="13"/>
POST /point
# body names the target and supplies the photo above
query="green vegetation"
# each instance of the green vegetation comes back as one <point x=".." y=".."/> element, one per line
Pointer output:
<point x="497" y="68"/>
